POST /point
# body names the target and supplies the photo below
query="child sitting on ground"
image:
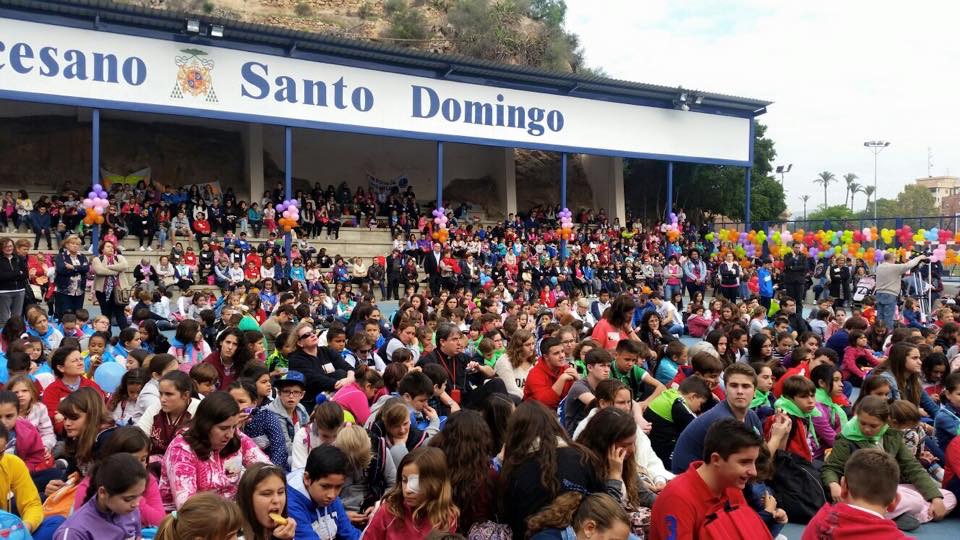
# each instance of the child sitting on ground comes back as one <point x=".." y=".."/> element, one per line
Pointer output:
<point x="867" y="491"/>
<point x="905" y="418"/>
<point x="920" y="497"/>
<point x="763" y="399"/>
<point x="858" y="360"/>
<point x="799" y="402"/>
<point x="671" y="411"/>
<point x="674" y="357"/>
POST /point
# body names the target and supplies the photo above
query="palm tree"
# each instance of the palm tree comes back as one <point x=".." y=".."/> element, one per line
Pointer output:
<point x="855" y="188"/>
<point x="804" y="198"/>
<point x="826" y="178"/>
<point x="869" y="190"/>
<point x="850" y="179"/>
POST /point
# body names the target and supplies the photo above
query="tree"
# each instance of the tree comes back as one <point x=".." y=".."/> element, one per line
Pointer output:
<point x="850" y="179"/>
<point x="854" y="188"/>
<point x="826" y="178"/>
<point x="707" y="189"/>
<point x="839" y="212"/>
<point x="804" y="198"/>
<point x="916" y="201"/>
<point x="868" y="191"/>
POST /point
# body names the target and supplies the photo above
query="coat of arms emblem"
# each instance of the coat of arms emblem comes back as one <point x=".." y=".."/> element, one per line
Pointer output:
<point x="194" y="77"/>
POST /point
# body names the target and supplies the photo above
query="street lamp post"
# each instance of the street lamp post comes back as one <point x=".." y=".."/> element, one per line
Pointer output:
<point x="876" y="147"/>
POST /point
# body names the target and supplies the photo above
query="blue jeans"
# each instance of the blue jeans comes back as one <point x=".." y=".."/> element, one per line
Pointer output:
<point x="47" y="527"/>
<point x="886" y="308"/>
<point x="670" y="290"/>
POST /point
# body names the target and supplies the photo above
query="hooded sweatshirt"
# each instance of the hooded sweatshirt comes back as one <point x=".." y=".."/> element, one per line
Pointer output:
<point x="844" y="522"/>
<point x="89" y="523"/>
<point x="316" y="522"/>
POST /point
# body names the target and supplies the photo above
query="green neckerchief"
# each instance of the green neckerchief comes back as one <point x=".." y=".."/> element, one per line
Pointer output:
<point x="760" y="399"/>
<point x="496" y="356"/>
<point x="791" y="408"/>
<point x="851" y="430"/>
<point x="836" y="411"/>
<point x="632" y="380"/>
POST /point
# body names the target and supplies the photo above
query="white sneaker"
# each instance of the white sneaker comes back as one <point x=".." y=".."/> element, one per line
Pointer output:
<point x="149" y="248"/>
<point x="142" y="248"/>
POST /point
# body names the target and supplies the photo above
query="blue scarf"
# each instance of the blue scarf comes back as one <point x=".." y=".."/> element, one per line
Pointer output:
<point x="187" y="349"/>
<point x="43" y="338"/>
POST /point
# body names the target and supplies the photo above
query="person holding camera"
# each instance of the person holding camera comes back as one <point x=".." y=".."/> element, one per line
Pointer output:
<point x="889" y="275"/>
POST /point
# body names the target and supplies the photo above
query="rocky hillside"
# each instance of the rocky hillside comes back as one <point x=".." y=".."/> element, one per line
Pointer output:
<point x="527" y="32"/>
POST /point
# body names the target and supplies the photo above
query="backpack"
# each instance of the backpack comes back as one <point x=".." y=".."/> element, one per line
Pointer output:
<point x="376" y="471"/>
<point x="489" y="530"/>
<point x="12" y="527"/>
<point x="728" y="522"/>
<point x="797" y="486"/>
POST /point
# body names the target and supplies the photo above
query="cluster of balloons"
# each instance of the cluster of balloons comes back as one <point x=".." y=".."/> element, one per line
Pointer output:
<point x="849" y="243"/>
<point x="673" y="229"/>
<point x="566" y="224"/>
<point x="95" y="205"/>
<point x="440" y="233"/>
<point x="290" y="214"/>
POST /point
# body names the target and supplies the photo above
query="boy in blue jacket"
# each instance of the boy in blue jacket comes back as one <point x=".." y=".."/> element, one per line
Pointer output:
<point x="765" y="282"/>
<point x="313" y="497"/>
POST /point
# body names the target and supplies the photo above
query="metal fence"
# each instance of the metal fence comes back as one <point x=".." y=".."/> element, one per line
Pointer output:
<point x="941" y="222"/>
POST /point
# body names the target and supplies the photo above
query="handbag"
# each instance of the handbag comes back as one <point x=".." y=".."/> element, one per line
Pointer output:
<point x="121" y="297"/>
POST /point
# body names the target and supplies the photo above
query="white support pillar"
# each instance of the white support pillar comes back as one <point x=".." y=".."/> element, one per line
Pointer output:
<point x="253" y="160"/>
<point x="605" y="176"/>
<point x="509" y="181"/>
<point x="618" y="206"/>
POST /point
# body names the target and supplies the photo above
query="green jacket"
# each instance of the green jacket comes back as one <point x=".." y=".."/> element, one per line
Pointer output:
<point x="911" y="472"/>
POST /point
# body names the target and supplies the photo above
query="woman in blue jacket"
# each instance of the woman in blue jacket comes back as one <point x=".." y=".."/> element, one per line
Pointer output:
<point x="72" y="268"/>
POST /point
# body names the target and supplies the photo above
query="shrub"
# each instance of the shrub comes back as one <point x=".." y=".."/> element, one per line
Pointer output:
<point x="302" y="9"/>
<point x="366" y="11"/>
<point x="408" y="24"/>
<point x="208" y="7"/>
<point x="391" y="7"/>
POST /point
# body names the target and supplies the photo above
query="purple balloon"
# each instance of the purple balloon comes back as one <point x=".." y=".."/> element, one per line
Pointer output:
<point x="97" y="187"/>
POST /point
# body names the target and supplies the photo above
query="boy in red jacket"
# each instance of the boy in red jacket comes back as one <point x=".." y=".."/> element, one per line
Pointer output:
<point x="551" y="377"/>
<point x="706" y="502"/>
<point x="868" y="489"/>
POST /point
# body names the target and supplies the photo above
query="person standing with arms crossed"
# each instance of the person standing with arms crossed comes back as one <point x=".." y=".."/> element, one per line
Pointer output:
<point x="795" y="268"/>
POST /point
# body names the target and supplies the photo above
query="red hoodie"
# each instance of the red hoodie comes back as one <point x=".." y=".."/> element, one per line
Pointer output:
<point x="844" y="522"/>
<point x="539" y="385"/>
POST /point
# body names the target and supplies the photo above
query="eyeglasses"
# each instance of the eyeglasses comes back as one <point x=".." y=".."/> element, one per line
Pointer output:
<point x="291" y="393"/>
<point x="566" y="341"/>
<point x="308" y="334"/>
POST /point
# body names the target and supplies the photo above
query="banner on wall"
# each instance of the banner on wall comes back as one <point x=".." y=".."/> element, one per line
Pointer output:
<point x="382" y="188"/>
<point x="108" y="178"/>
<point x="83" y="67"/>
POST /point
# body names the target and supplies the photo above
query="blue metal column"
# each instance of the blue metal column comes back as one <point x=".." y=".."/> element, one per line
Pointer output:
<point x="746" y="213"/>
<point x="288" y="181"/>
<point x="563" y="200"/>
<point x="666" y="213"/>
<point x="95" y="172"/>
<point x="439" y="174"/>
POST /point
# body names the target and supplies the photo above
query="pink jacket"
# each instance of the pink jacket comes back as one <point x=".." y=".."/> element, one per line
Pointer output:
<point x="698" y="325"/>
<point x="849" y="365"/>
<point x="30" y="446"/>
<point x="151" y="507"/>
<point x="182" y="473"/>
<point x="352" y="398"/>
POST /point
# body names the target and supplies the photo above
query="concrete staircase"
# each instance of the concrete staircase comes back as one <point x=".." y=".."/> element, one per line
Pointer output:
<point x="353" y="242"/>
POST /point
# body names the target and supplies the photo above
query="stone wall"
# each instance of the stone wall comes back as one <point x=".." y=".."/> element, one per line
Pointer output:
<point x="50" y="151"/>
<point x="538" y="180"/>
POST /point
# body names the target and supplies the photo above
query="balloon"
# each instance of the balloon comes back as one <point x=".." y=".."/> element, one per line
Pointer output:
<point x="97" y="187"/>
<point x="45" y="379"/>
<point x="710" y="237"/>
<point x="878" y="256"/>
<point x="99" y="220"/>
<point x="108" y="375"/>
<point x="87" y="203"/>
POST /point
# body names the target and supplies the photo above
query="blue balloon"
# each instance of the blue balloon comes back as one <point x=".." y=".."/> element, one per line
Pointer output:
<point x="553" y="280"/>
<point x="108" y="376"/>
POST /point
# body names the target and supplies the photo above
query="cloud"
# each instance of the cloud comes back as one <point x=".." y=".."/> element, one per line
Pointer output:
<point x="840" y="73"/>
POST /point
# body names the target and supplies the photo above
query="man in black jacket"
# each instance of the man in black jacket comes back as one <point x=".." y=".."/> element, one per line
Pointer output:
<point x="795" y="267"/>
<point x="431" y="265"/>
<point x="468" y="382"/>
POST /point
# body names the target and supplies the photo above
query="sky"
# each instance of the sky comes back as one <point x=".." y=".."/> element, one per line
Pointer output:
<point x="839" y="73"/>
